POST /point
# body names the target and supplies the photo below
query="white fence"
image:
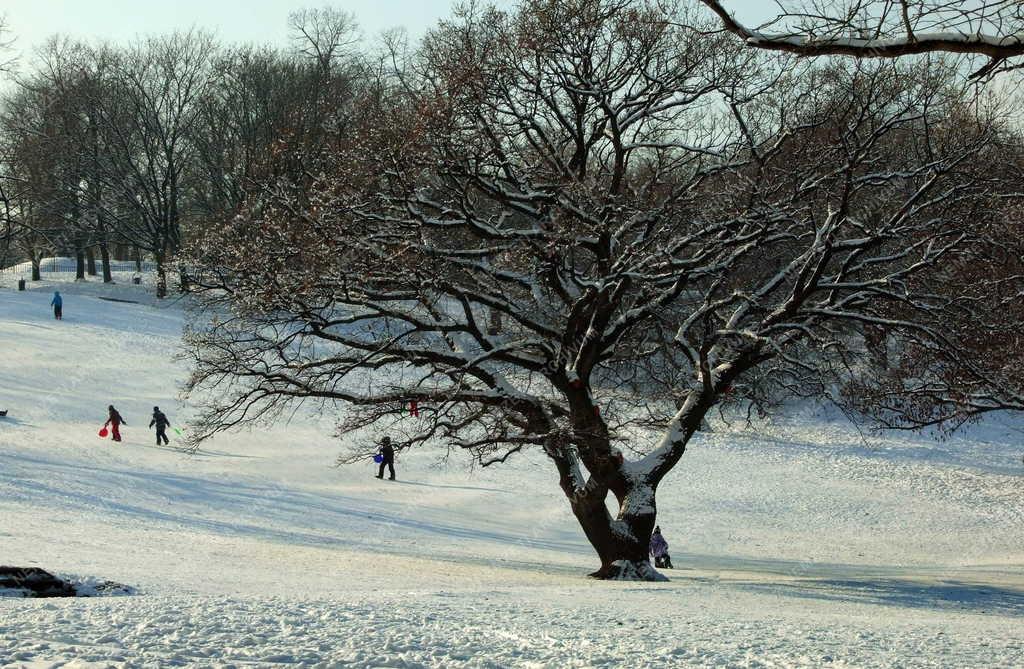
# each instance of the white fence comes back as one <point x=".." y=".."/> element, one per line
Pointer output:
<point x="65" y="265"/>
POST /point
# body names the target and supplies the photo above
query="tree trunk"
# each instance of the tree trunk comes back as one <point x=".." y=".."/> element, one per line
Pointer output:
<point x="138" y="260"/>
<point x="161" y="275"/>
<point x="80" y="237"/>
<point x="105" y="257"/>
<point x="622" y="543"/>
<point x="494" y="322"/>
<point x="36" y="260"/>
<point x="90" y="261"/>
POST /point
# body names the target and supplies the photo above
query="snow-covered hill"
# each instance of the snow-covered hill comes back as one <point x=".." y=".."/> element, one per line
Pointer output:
<point x="798" y="543"/>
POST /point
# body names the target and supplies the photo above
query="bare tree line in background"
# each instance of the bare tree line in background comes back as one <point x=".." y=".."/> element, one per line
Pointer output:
<point x="125" y="151"/>
<point x="6" y="215"/>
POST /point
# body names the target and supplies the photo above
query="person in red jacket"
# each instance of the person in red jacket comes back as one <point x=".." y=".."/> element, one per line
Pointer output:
<point x="114" y="421"/>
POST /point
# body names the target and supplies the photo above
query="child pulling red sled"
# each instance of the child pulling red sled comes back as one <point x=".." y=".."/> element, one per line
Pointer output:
<point x="114" y="420"/>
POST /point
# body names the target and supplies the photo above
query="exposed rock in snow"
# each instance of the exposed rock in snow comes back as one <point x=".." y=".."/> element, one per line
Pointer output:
<point x="32" y="582"/>
<point x="36" y="582"/>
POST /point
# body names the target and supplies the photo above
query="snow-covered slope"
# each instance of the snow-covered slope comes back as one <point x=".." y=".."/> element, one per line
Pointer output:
<point x="802" y="543"/>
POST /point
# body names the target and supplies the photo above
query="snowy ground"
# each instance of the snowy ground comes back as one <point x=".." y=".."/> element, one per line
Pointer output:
<point x="800" y="543"/>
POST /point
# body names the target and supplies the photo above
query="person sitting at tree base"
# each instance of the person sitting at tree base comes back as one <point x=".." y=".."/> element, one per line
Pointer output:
<point x="659" y="549"/>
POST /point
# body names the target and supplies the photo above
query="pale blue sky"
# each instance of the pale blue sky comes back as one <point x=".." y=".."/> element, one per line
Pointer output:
<point x="262" y="21"/>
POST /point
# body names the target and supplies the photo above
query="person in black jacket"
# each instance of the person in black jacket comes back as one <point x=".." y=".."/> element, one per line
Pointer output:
<point x="161" y="422"/>
<point x="387" y="452"/>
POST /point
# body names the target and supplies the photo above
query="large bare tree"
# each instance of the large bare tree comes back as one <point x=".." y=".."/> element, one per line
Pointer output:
<point x="635" y="200"/>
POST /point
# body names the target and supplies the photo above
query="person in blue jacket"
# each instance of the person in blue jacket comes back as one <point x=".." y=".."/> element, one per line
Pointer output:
<point x="58" y="305"/>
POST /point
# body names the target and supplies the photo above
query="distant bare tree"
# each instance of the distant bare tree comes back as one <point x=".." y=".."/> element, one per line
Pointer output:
<point x="33" y="198"/>
<point x="6" y="42"/>
<point x="149" y="106"/>
<point x="7" y="226"/>
<point x="260" y="101"/>
<point x="71" y="77"/>
<point x="249" y="107"/>
<point x="45" y="131"/>
<point x="323" y="34"/>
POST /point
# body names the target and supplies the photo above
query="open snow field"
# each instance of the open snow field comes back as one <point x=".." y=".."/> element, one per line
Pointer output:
<point x="797" y="544"/>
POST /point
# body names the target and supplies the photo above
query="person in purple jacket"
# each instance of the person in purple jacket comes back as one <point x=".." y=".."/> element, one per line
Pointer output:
<point x="659" y="549"/>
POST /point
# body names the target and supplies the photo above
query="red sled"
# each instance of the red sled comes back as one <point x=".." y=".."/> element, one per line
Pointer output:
<point x="103" y="432"/>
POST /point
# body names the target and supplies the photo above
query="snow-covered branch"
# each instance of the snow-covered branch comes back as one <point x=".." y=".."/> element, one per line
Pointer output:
<point x="873" y="29"/>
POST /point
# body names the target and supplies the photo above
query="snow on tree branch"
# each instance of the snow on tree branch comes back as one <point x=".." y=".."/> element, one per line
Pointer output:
<point x="885" y="29"/>
<point x="580" y="218"/>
